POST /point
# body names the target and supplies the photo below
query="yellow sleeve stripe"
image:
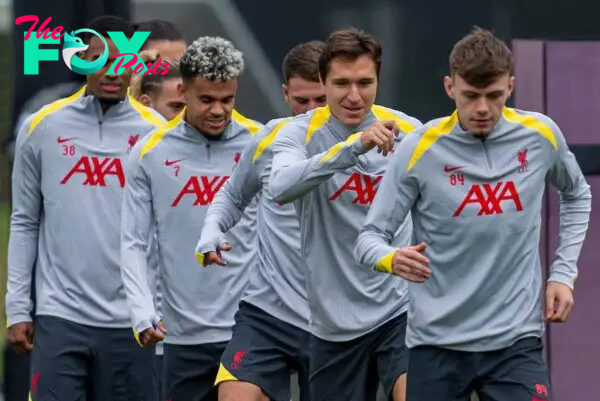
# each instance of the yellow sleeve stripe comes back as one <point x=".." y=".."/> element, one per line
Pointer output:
<point x="385" y="264"/>
<point x="339" y="146"/>
<point x="199" y="258"/>
<point x="224" y="375"/>
<point x="54" y="107"/>
<point x="532" y="123"/>
<point x="159" y="134"/>
<point x="246" y="122"/>
<point x="145" y="112"/>
<point x="430" y="136"/>
<point x="317" y="120"/>
<point x="381" y="113"/>
<point x="136" y="335"/>
<point x="268" y="140"/>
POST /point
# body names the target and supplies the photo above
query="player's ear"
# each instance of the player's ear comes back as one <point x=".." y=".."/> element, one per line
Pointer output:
<point x="285" y="90"/>
<point x="146" y="100"/>
<point x="511" y="85"/>
<point x="181" y="88"/>
<point x="449" y="86"/>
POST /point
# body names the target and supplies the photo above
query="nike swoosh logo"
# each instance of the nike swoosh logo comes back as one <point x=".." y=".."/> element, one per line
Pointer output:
<point x="448" y="169"/>
<point x="63" y="140"/>
<point x="171" y="162"/>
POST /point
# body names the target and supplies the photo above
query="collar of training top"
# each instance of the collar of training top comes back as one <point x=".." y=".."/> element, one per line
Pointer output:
<point x="232" y="129"/>
<point x="118" y="108"/>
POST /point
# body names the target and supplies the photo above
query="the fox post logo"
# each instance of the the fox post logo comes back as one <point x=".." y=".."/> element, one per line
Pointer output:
<point x="127" y="58"/>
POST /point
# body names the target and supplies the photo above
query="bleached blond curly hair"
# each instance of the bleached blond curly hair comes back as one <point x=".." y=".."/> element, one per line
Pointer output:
<point x="213" y="58"/>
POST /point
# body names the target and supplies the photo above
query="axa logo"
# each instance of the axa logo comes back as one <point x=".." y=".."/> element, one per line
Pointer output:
<point x="362" y="187"/>
<point x="73" y="46"/>
<point x="201" y="189"/>
<point x="96" y="171"/>
<point x="491" y="198"/>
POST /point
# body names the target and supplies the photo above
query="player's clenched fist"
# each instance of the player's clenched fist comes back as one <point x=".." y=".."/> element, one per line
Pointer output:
<point x="411" y="264"/>
<point x="153" y="335"/>
<point x="20" y="336"/>
<point x="380" y="134"/>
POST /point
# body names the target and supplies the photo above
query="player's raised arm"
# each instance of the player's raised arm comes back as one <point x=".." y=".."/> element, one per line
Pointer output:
<point x="294" y="174"/>
<point x="230" y="202"/>
<point x="395" y="197"/>
<point x="24" y="232"/>
<point x="136" y="223"/>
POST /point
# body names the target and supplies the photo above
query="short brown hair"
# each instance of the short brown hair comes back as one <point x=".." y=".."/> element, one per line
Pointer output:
<point x="350" y="44"/>
<point x="151" y="84"/>
<point x="480" y="58"/>
<point x="303" y="61"/>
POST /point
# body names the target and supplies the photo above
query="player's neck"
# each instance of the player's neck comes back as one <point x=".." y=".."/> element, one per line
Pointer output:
<point x="208" y="137"/>
<point x="350" y="127"/>
<point x="105" y="104"/>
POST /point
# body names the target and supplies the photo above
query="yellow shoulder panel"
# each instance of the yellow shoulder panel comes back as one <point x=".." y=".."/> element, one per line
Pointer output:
<point x="145" y="112"/>
<point x="532" y="123"/>
<point x="246" y="122"/>
<point x="430" y="136"/>
<point x="268" y="140"/>
<point x="53" y="108"/>
<point x="159" y="134"/>
<point x="381" y="113"/>
<point x="317" y="120"/>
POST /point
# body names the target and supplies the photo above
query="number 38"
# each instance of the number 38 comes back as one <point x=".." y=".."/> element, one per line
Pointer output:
<point x="68" y="150"/>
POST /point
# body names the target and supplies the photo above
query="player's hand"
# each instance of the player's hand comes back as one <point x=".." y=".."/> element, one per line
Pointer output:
<point x="380" y="134"/>
<point x="411" y="264"/>
<point x="153" y="335"/>
<point x="20" y="336"/>
<point x="559" y="302"/>
<point x="215" y="257"/>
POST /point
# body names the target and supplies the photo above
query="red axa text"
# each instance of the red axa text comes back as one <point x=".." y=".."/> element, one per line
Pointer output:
<point x="490" y="198"/>
<point x="363" y="187"/>
<point x="203" y="189"/>
<point x="96" y="170"/>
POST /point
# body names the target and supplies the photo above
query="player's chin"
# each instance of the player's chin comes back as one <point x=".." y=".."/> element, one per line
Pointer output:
<point x="353" y="119"/>
<point x="479" y="132"/>
<point x="111" y="96"/>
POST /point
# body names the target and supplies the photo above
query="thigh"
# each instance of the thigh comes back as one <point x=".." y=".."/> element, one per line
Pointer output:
<point x="517" y="373"/>
<point x="190" y="371"/>
<point x="391" y="352"/>
<point x="439" y="374"/>
<point x="59" y="361"/>
<point x="17" y="370"/>
<point x="158" y="377"/>
<point x="259" y="352"/>
<point x="302" y="366"/>
<point x="342" y="371"/>
<point x="121" y="369"/>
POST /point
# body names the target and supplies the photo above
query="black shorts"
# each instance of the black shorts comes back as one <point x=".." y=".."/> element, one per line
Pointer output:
<point x="352" y="370"/>
<point x="264" y="351"/>
<point x="158" y="378"/>
<point x="73" y="362"/>
<point x="189" y="371"/>
<point x="516" y="373"/>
